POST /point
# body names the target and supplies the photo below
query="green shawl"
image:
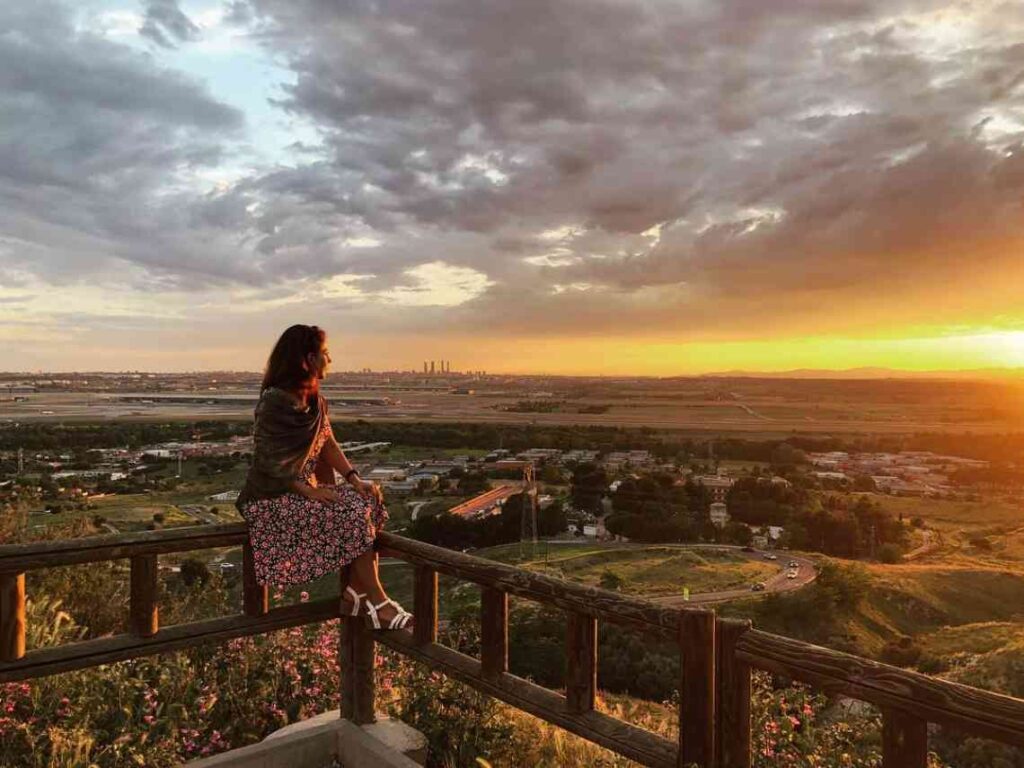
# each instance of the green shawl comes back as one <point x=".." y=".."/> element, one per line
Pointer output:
<point x="282" y="441"/>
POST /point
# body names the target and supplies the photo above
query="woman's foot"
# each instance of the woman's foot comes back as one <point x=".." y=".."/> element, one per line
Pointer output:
<point x="387" y="614"/>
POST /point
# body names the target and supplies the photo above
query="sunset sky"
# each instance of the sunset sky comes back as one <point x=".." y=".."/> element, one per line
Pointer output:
<point x="566" y="186"/>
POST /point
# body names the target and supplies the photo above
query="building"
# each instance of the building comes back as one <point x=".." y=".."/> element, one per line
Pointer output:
<point x="717" y="485"/>
<point x="514" y="464"/>
<point x="540" y="454"/>
<point x="383" y="473"/>
<point x="719" y="514"/>
<point x="579" y="457"/>
<point x="225" y="496"/>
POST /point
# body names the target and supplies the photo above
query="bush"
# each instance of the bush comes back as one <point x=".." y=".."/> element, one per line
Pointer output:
<point x="890" y="553"/>
<point x="194" y="572"/>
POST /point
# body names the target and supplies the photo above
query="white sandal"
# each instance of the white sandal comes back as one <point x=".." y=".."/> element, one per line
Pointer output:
<point x="399" y="621"/>
<point x="356" y="597"/>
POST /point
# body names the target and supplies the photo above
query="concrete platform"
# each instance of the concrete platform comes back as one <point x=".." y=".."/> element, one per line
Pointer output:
<point x="316" y="742"/>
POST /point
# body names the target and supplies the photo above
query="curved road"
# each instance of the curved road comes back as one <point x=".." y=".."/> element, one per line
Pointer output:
<point x="806" y="573"/>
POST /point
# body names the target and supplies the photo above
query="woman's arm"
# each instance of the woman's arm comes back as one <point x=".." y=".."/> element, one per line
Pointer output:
<point x="335" y="457"/>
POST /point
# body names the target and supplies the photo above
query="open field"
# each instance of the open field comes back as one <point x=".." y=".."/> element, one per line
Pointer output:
<point x="765" y="407"/>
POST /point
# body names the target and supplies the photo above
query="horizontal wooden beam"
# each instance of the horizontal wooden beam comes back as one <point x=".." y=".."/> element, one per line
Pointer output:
<point x="105" y="650"/>
<point x="972" y="710"/>
<point x="15" y="558"/>
<point x="628" y="740"/>
<point x="575" y="598"/>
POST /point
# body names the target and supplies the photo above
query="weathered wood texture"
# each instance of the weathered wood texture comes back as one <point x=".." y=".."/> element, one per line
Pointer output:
<point x="493" y="632"/>
<point x="15" y="558"/>
<point x="978" y="712"/>
<point x="635" y="743"/>
<point x="105" y="650"/>
<point x="697" y="689"/>
<point x="733" y="723"/>
<point x="904" y="740"/>
<point x="143" y="610"/>
<point x="12" y="616"/>
<point x="255" y="596"/>
<point x="590" y="601"/>
<point x="581" y="663"/>
<point x="357" y="674"/>
<point x="425" y="604"/>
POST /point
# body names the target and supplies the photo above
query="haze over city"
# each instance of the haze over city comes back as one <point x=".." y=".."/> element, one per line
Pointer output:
<point x="577" y="187"/>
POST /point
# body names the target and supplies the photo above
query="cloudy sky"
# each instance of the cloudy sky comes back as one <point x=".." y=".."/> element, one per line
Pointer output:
<point x="574" y="186"/>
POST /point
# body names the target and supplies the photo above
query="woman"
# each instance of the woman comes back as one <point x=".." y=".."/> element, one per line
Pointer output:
<point x="301" y="524"/>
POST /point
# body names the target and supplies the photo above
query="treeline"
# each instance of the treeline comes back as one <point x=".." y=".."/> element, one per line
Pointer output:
<point x="842" y="526"/>
<point x="665" y="444"/>
<point x="65" y="437"/>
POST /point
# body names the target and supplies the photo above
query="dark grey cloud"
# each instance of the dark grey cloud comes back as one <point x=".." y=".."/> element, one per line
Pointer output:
<point x="628" y="166"/>
<point x="811" y="151"/>
<point x="166" y="24"/>
<point x="96" y="145"/>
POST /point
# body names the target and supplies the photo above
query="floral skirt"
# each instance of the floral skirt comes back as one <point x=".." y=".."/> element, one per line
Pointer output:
<point x="295" y="539"/>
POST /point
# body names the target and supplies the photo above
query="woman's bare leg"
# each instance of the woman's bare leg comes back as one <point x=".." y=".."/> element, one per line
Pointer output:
<point x="366" y="578"/>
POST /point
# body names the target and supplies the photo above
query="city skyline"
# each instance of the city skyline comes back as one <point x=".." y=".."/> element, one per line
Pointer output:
<point x="577" y="187"/>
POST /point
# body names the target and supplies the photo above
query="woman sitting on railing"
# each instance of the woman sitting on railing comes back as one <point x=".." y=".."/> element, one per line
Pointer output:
<point x="300" y="527"/>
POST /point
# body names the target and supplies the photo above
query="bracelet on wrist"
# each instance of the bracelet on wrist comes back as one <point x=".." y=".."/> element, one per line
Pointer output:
<point x="348" y="475"/>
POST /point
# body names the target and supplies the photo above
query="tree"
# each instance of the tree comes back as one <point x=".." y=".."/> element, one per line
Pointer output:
<point x="194" y="572"/>
<point x="589" y="484"/>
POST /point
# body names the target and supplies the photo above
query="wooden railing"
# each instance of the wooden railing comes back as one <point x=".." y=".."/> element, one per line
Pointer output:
<point x="717" y="655"/>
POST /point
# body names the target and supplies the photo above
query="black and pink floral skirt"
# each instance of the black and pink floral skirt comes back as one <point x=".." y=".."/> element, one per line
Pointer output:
<point x="296" y="540"/>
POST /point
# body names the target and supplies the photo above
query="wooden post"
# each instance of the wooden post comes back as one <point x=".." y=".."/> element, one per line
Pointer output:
<point x="697" y="688"/>
<point x="424" y="628"/>
<point x="143" y="611"/>
<point x="357" y="670"/>
<point x="12" y="616"/>
<point x="493" y="632"/>
<point x="904" y="740"/>
<point x="255" y="596"/>
<point x="733" y="697"/>
<point x="581" y="663"/>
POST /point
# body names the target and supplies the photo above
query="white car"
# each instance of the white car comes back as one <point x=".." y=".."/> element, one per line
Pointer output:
<point x="790" y="575"/>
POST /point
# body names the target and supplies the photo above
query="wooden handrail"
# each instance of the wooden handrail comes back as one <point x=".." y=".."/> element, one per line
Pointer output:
<point x="977" y="711"/>
<point x="18" y="558"/>
<point x="572" y="597"/>
<point x="717" y="654"/>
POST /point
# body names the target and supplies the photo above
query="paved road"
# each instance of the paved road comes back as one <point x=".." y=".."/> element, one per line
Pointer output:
<point x="806" y="573"/>
<point x="928" y="546"/>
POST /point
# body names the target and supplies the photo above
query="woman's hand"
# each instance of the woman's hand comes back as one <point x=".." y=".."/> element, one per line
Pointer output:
<point x="320" y="494"/>
<point x="368" y="489"/>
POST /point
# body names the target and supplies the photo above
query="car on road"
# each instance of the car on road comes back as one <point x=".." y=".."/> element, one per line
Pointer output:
<point x="791" y="575"/>
<point x="794" y="564"/>
<point x="771" y="557"/>
<point x="759" y="587"/>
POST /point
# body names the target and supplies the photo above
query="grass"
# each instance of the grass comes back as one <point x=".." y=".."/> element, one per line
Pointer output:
<point x="644" y="570"/>
<point x="948" y="514"/>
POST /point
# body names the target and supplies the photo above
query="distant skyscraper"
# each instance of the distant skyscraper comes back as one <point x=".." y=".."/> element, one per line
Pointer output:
<point x="431" y="366"/>
<point x="424" y="366"/>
